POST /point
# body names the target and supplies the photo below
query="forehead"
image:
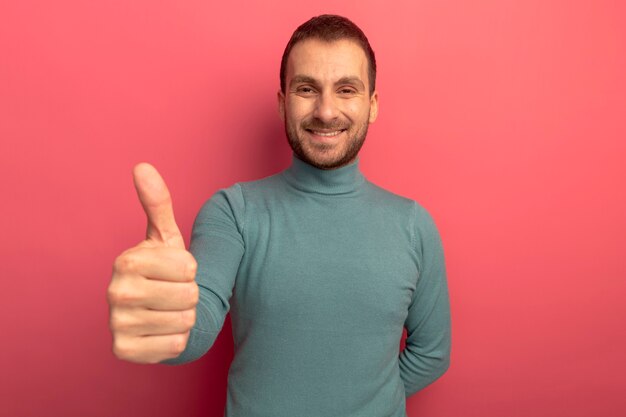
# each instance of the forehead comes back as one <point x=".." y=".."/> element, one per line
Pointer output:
<point x="327" y="61"/>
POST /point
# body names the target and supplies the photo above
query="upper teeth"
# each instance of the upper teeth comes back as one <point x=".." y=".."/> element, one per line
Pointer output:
<point x="327" y="133"/>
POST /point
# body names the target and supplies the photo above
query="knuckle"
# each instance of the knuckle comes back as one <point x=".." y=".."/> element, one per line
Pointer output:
<point x="193" y="294"/>
<point x="125" y="263"/>
<point x="120" y="323"/>
<point x="188" y="318"/>
<point x="191" y="268"/>
<point x="110" y="294"/>
<point x="115" y="323"/>
<point x="178" y="344"/>
<point x="113" y="294"/>
<point x="122" y="349"/>
<point x="120" y="295"/>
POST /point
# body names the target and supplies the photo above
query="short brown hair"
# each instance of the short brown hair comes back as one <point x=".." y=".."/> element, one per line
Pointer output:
<point x="329" y="28"/>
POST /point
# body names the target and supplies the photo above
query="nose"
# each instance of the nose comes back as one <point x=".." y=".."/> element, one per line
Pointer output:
<point x="326" y="108"/>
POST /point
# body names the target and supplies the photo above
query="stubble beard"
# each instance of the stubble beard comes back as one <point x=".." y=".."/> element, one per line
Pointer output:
<point x="354" y="143"/>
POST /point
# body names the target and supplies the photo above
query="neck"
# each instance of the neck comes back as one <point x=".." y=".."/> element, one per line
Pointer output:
<point x="342" y="180"/>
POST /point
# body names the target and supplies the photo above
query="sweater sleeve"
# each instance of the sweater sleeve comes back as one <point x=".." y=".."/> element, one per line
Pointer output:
<point x="217" y="244"/>
<point x="426" y="355"/>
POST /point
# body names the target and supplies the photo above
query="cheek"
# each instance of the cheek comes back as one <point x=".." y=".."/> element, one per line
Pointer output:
<point x="358" y="112"/>
<point x="296" y="111"/>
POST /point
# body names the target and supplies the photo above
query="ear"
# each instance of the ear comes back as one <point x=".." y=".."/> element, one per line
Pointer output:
<point x="373" y="107"/>
<point x="281" y="105"/>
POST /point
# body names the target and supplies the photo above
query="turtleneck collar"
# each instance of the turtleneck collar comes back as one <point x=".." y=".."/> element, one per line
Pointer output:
<point x="308" y="178"/>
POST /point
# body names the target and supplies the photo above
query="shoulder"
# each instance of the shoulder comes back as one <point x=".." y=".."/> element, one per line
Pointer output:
<point x="394" y="203"/>
<point x="259" y="187"/>
<point x="232" y="202"/>
<point x="404" y="206"/>
<point x="421" y="223"/>
<point x="224" y="202"/>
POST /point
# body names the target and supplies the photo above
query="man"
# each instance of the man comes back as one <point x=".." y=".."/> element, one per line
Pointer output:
<point x="320" y="268"/>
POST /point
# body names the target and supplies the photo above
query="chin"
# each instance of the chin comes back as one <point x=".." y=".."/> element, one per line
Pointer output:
<point x="326" y="161"/>
<point x="326" y="158"/>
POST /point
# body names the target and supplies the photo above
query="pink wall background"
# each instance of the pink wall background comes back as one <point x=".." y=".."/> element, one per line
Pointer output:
<point x="504" y="118"/>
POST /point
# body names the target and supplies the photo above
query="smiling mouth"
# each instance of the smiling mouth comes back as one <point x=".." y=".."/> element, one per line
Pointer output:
<point x="326" y="134"/>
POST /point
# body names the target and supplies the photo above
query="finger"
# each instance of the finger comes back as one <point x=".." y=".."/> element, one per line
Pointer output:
<point x="164" y="295"/>
<point x="157" y="203"/>
<point x="143" y="322"/>
<point x="157" y="262"/>
<point x="150" y="349"/>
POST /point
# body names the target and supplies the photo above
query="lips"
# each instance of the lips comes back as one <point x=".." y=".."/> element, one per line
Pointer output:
<point x="326" y="134"/>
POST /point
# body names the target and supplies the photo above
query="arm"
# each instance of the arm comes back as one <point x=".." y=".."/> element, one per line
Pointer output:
<point x="426" y="355"/>
<point x="218" y="246"/>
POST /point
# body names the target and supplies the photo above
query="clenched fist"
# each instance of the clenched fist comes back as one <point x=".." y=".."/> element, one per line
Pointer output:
<point x="152" y="294"/>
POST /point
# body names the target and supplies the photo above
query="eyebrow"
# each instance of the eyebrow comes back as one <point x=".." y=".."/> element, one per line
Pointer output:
<point x="306" y="79"/>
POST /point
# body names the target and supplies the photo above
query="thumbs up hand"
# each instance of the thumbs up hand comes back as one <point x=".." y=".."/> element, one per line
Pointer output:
<point x="152" y="294"/>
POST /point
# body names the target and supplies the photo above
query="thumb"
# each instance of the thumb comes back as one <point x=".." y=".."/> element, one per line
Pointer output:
<point x="157" y="203"/>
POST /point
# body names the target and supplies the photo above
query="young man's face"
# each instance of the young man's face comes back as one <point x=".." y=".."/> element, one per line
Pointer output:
<point x="326" y="106"/>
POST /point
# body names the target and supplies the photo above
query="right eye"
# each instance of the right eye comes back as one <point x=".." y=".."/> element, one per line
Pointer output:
<point x="306" y="90"/>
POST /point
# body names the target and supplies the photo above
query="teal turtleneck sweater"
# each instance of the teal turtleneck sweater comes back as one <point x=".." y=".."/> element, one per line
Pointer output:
<point x="320" y="270"/>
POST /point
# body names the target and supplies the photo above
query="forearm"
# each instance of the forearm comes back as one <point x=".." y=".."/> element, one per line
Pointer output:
<point x="419" y="369"/>
<point x="427" y="353"/>
<point x="218" y="248"/>
<point x="202" y="335"/>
